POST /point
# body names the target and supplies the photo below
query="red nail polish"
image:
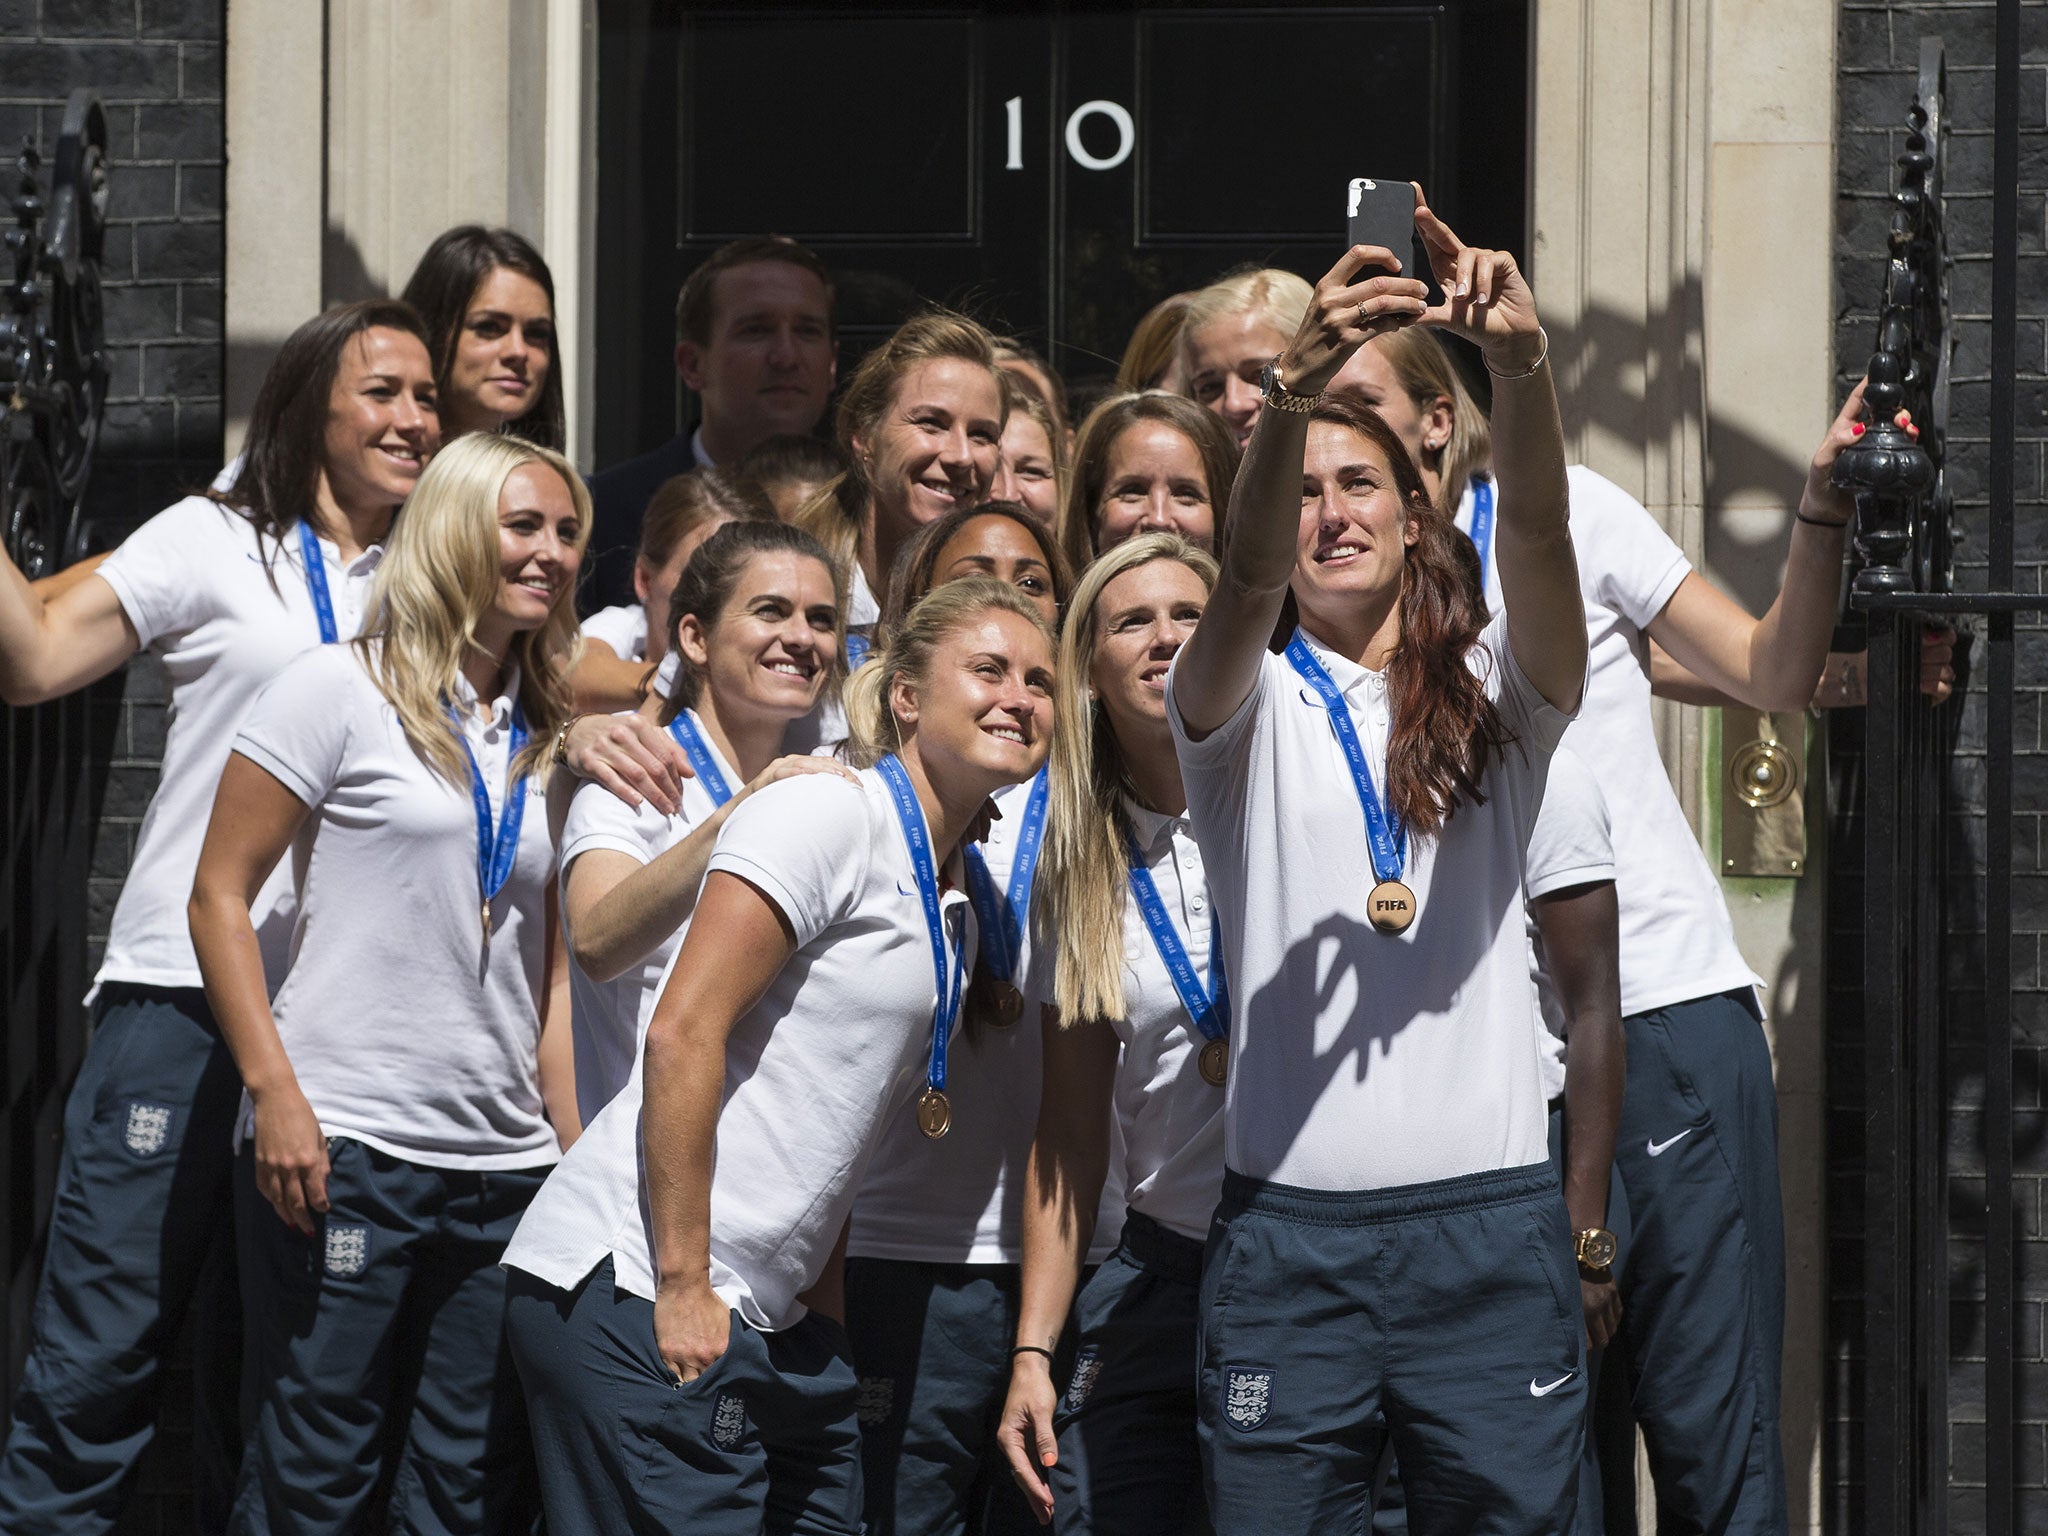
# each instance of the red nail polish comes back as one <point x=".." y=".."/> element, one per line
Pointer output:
<point x="1857" y="429"/>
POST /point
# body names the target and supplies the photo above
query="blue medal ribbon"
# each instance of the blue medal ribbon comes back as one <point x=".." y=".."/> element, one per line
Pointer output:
<point x="495" y="854"/>
<point x="1208" y="1007"/>
<point x="1482" y="521"/>
<point x="1002" y="918"/>
<point x="857" y="648"/>
<point x="698" y="751"/>
<point x="316" y="581"/>
<point x="910" y="817"/>
<point x="1384" y="835"/>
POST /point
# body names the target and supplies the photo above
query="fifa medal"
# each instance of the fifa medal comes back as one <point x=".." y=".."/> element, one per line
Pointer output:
<point x="1009" y="1005"/>
<point x="934" y="1114"/>
<point x="1214" y="1062"/>
<point x="1391" y="907"/>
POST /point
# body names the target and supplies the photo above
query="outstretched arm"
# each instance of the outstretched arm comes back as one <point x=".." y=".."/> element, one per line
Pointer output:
<point x="58" y="634"/>
<point x="1488" y="302"/>
<point x="1774" y="662"/>
<point x="1216" y="669"/>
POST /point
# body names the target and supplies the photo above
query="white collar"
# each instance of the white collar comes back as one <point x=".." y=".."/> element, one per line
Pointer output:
<point x="1149" y="826"/>
<point x="704" y="460"/>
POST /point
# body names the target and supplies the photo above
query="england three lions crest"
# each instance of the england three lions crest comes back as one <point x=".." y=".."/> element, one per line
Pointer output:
<point x="728" y="1421"/>
<point x="148" y="1130"/>
<point x="1247" y="1397"/>
<point x="348" y="1249"/>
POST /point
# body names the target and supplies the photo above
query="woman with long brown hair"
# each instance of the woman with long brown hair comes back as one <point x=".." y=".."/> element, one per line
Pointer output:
<point x="1392" y="1258"/>
<point x="487" y="300"/>
<point x="1147" y="463"/>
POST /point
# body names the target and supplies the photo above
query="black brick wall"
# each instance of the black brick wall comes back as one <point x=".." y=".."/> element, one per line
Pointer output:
<point x="1879" y="47"/>
<point x="157" y="65"/>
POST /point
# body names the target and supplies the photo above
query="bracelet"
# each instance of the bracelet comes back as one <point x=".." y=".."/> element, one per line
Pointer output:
<point x="558" y="751"/>
<point x="1541" y="355"/>
<point x="1819" y="522"/>
<point x="1030" y="1349"/>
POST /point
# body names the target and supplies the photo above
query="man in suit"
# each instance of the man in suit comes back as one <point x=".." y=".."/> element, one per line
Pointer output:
<point x="755" y="341"/>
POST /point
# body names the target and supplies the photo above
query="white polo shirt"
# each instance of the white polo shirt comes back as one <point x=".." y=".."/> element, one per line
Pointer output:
<point x="1361" y="1060"/>
<point x="960" y="1199"/>
<point x="1677" y="942"/>
<point x="404" y="1030"/>
<point x="835" y="1048"/>
<point x="199" y="590"/>
<point x="610" y="1017"/>
<point x="1570" y="846"/>
<point x="623" y="627"/>
<point x="1170" y="1120"/>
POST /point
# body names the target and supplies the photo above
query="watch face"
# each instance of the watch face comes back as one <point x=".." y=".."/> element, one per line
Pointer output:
<point x="1596" y="1249"/>
<point x="1269" y="379"/>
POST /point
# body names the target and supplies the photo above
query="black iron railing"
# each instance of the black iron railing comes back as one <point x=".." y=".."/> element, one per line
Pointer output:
<point x="53" y="382"/>
<point x="1904" y="542"/>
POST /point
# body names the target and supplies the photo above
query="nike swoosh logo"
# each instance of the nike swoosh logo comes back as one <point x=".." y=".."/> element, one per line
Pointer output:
<point x="1659" y="1148"/>
<point x="1536" y="1391"/>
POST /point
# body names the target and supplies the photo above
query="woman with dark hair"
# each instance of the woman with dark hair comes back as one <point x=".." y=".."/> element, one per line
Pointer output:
<point x="753" y="626"/>
<point x="1147" y="463"/>
<point x="683" y="1370"/>
<point x="997" y="538"/>
<point x="625" y="644"/>
<point x="488" y="302"/>
<point x="226" y="588"/>
<point x="1392" y="1258"/>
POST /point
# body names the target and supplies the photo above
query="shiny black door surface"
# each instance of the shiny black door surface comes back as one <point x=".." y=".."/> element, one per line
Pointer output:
<point x="1054" y="170"/>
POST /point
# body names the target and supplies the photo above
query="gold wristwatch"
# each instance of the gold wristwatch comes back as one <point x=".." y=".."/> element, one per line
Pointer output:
<point x="1596" y="1249"/>
<point x="1279" y="396"/>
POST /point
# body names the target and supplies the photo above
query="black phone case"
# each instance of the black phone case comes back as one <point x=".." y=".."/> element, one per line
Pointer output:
<point x="1382" y="213"/>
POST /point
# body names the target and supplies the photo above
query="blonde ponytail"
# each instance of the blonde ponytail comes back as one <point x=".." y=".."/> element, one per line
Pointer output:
<point x="872" y="728"/>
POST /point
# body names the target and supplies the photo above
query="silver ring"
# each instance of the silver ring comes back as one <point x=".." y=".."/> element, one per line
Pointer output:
<point x="1361" y="315"/>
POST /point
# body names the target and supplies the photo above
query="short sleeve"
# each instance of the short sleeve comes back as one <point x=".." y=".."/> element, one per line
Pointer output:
<point x="1231" y="741"/>
<point x="158" y="574"/>
<point x="1572" y="842"/>
<point x="1626" y="561"/>
<point x="298" y="729"/>
<point x="1532" y="718"/>
<point x="804" y="843"/>
<point x="622" y="627"/>
<point x="600" y="819"/>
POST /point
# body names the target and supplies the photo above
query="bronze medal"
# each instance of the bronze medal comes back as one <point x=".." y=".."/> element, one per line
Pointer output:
<point x="934" y="1114"/>
<point x="1009" y="1005"/>
<point x="1214" y="1062"/>
<point x="1390" y="907"/>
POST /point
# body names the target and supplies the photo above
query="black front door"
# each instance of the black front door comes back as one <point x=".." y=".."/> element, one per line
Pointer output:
<point x="1053" y="170"/>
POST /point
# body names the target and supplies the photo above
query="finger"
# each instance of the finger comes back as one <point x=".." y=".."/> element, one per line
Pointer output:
<point x="294" y="1206"/>
<point x="639" y="772"/>
<point x="603" y="773"/>
<point x="1468" y="263"/>
<point x="1436" y="234"/>
<point x="316" y="1185"/>
<point x="1852" y="408"/>
<point x="1353" y="259"/>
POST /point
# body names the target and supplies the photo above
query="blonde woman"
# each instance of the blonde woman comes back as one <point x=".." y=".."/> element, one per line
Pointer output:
<point x="671" y="1298"/>
<point x="922" y="422"/>
<point x="1233" y="328"/>
<point x="1136" y="1038"/>
<point x="404" y="1100"/>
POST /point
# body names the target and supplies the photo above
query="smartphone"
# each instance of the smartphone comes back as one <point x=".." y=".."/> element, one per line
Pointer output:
<point x="1382" y="213"/>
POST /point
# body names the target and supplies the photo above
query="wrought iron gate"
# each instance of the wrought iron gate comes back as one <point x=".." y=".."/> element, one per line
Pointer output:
<point x="1919" y="1032"/>
<point x="53" y="381"/>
